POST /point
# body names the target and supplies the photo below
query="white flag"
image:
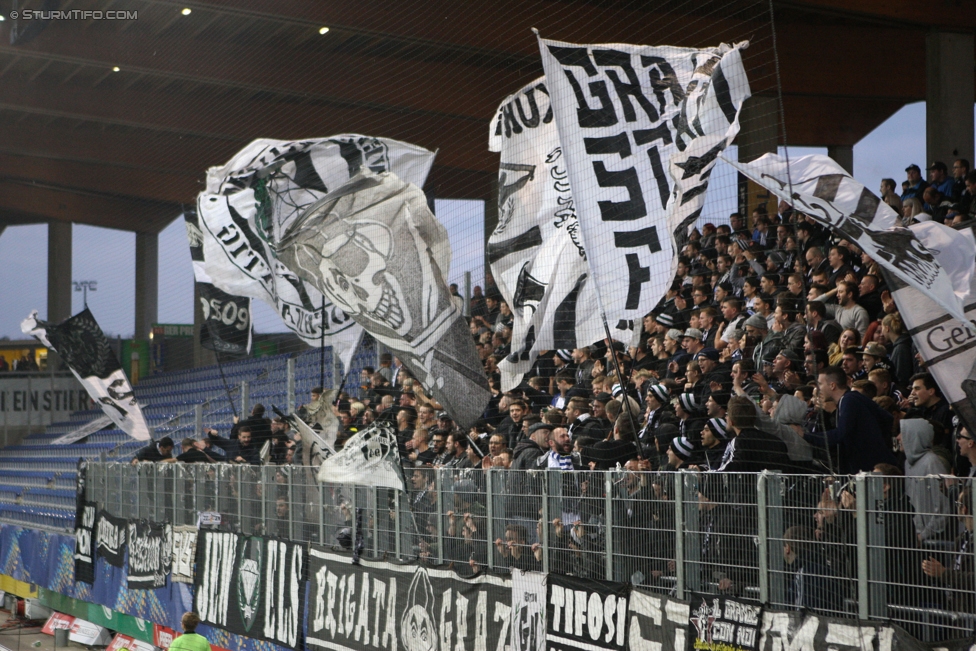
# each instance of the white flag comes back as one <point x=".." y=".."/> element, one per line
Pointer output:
<point x="624" y="114"/>
<point x="536" y="255"/>
<point x="944" y="343"/>
<point x="817" y="186"/>
<point x="87" y="352"/>
<point x="251" y="200"/>
<point x="369" y="458"/>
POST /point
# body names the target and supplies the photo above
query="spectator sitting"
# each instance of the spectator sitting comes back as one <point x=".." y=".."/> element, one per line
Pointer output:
<point x="916" y="185"/>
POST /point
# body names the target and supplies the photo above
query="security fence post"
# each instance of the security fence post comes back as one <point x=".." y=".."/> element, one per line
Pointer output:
<point x="608" y="506"/>
<point x="291" y="509"/>
<point x="861" y="519"/>
<point x="138" y="490"/>
<point x="376" y="522"/>
<point x="245" y="399"/>
<point x="321" y="489"/>
<point x="198" y="420"/>
<point x="763" y="540"/>
<point x="489" y="517"/>
<point x="774" y="532"/>
<point x="396" y="523"/>
<point x="440" y="515"/>
<point x="240" y="497"/>
<point x="545" y="520"/>
<point x="679" y="528"/>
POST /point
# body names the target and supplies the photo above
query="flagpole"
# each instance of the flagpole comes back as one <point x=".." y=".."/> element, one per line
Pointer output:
<point x="322" y="349"/>
<point x="220" y="367"/>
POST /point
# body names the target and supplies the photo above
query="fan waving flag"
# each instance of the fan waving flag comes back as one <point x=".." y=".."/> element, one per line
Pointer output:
<point x="536" y="253"/>
<point x="627" y="116"/>
<point x="251" y="201"/>
<point x="87" y="352"/>
<point x="817" y="186"/>
<point x="369" y="458"/>
<point x="375" y="250"/>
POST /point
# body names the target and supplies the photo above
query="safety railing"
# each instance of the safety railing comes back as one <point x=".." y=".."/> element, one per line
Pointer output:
<point x="869" y="546"/>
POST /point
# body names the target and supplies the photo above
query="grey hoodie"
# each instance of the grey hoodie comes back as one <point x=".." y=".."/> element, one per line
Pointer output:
<point x="922" y="485"/>
<point x="789" y="411"/>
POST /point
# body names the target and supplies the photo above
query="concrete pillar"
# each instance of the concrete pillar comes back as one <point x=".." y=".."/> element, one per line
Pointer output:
<point x="844" y="155"/>
<point x="758" y="134"/>
<point x="147" y="283"/>
<point x="949" y="97"/>
<point x="58" y="271"/>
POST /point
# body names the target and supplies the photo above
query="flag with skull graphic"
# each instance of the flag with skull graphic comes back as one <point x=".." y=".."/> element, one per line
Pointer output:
<point x="250" y="201"/>
<point x="87" y="352"/>
<point x="374" y="248"/>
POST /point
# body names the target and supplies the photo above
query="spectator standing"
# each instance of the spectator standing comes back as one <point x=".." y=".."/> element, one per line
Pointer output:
<point x="190" y="640"/>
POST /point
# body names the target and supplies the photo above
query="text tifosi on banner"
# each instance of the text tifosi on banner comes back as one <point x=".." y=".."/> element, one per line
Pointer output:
<point x="110" y="538"/>
<point x="582" y="613"/>
<point x="85" y="542"/>
<point x="257" y="591"/>
<point x="150" y="554"/>
<point x="377" y="605"/>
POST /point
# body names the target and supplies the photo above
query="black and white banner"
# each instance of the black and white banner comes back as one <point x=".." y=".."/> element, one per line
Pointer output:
<point x="369" y="458"/>
<point x="656" y="622"/>
<point x="150" y="554"/>
<point x="250" y="201"/>
<point x="225" y="318"/>
<point x="87" y="352"/>
<point x="585" y="614"/>
<point x="817" y="186"/>
<point x="85" y="542"/>
<point x="723" y="624"/>
<point x="946" y="345"/>
<point x="376" y="250"/>
<point x="801" y="631"/>
<point x="630" y="117"/>
<point x="378" y="605"/>
<point x="528" y="611"/>
<point x="536" y="252"/>
<point x="252" y="586"/>
<point x="110" y="538"/>
<point x="184" y="552"/>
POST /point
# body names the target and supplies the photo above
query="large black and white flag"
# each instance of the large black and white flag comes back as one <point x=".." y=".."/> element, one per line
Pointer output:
<point x="946" y="345"/>
<point x="225" y="319"/>
<point x="374" y="248"/>
<point x="817" y="186"/>
<point x="369" y="458"/>
<point x="630" y="118"/>
<point x="251" y="200"/>
<point x="536" y="252"/>
<point x="87" y="352"/>
<point x="150" y="554"/>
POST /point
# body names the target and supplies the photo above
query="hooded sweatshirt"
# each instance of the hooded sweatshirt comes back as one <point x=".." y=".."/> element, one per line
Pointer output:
<point x="789" y="411"/>
<point x="921" y="486"/>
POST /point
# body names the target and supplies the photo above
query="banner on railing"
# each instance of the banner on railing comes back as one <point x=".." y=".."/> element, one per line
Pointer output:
<point x="528" y="611"/>
<point x="722" y="624"/>
<point x="656" y="622"/>
<point x="84" y="542"/>
<point x="378" y="605"/>
<point x="110" y="538"/>
<point x="586" y="614"/>
<point x="184" y="552"/>
<point x="150" y="554"/>
<point x="251" y="586"/>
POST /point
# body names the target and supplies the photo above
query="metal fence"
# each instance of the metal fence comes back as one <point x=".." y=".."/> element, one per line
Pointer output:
<point x="848" y="546"/>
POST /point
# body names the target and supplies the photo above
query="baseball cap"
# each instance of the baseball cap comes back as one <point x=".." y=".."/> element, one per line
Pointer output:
<point x="444" y="416"/>
<point x="937" y="165"/>
<point x="674" y="334"/>
<point x="913" y="166"/>
<point x="694" y="333"/>
<point x="874" y="349"/>
<point x="535" y="427"/>
<point x="791" y="355"/>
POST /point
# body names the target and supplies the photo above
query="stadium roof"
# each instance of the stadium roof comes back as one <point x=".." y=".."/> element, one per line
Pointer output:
<point x="114" y="122"/>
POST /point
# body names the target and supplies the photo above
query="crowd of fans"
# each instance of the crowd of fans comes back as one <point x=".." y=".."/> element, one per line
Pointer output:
<point x="777" y="347"/>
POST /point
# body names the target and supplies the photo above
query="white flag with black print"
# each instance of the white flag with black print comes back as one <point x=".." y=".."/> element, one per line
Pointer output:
<point x="535" y="253"/>
<point x="819" y="187"/>
<point x="250" y="201"/>
<point x="629" y="118"/>
<point x="377" y="251"/>
<point x="369" y="458"/>
<point x="942" y="341"/>
<point x="86" y="350"/>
